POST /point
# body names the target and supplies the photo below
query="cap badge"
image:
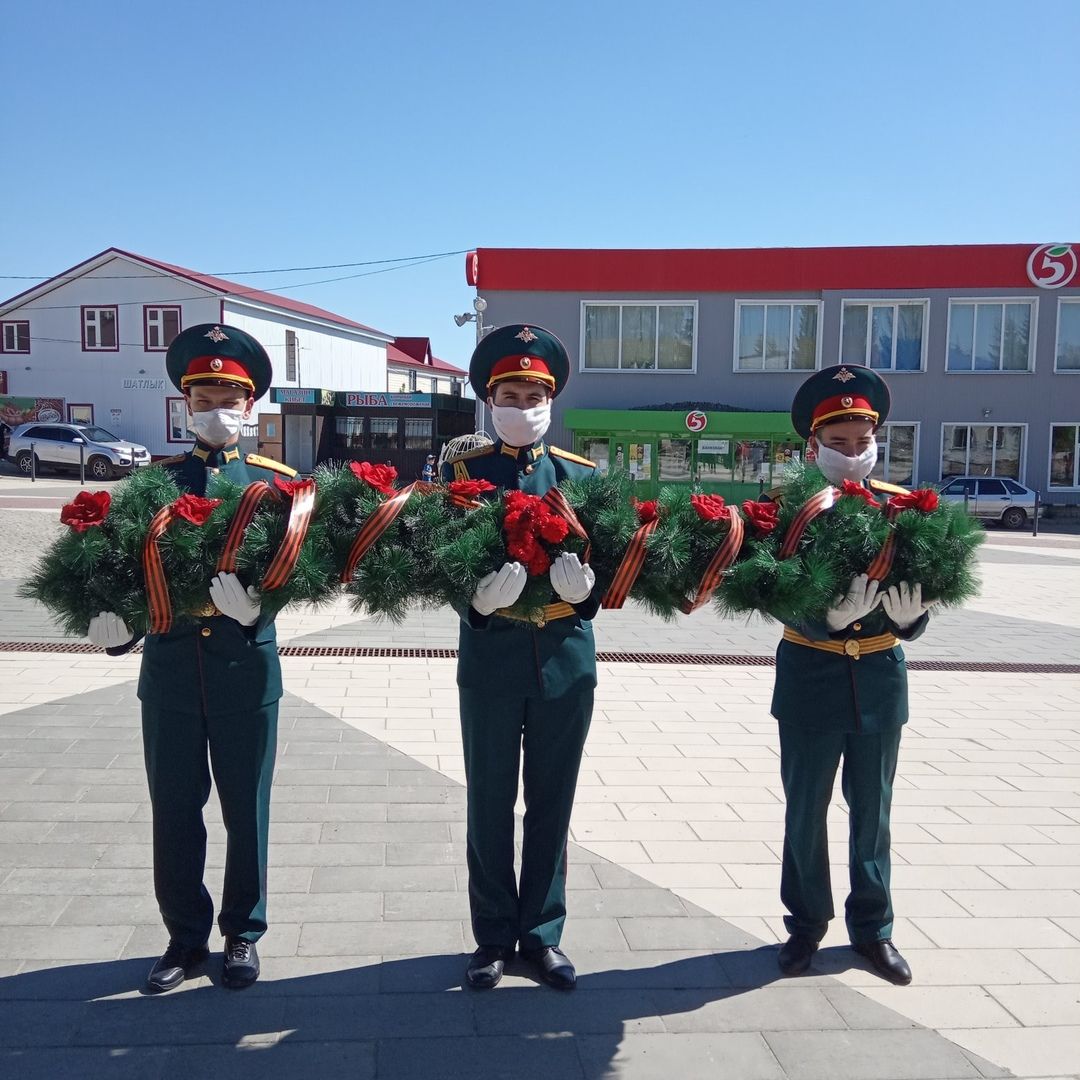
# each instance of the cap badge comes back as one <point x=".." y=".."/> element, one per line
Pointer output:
<point x="843" y="375"/>
<point x="215" y="364"/>
<point x="526" y="335"/>
<point x="846" y="402"/>
<point x="217" y="334"/>
<point x="525" y="361"/>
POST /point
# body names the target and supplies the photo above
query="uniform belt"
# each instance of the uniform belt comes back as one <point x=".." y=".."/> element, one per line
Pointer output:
<point x="853" y="647"/>
<point x="549" y="613"/>
<point x="207" y="611"/>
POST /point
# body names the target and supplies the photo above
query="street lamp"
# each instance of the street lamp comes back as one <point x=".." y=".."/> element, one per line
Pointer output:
<point x="477" y="316"/>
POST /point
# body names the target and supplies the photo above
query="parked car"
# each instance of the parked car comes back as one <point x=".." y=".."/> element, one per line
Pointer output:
<point x="57" y="446"/>
<point x="993" y="498"/>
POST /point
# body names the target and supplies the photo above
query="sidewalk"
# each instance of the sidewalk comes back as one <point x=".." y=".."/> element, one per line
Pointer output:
<point x="674" y="912"/>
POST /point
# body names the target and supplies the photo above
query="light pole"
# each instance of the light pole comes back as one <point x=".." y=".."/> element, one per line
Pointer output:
<point x="477" y="316"/>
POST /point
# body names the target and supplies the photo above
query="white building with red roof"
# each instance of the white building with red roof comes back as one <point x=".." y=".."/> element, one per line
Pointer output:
<point x="91" y="341"/>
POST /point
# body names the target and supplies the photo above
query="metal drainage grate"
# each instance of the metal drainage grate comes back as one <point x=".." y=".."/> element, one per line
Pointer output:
<point x="605" y="657"/>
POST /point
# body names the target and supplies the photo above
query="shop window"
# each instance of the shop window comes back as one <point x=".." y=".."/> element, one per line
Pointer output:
<point x="1067" y="352"/>
<point x="160" y="326"/>
<point x="15" y="337"/>
<point x="994" y="336"/>
<point x="982" y="450"/>
<point x="884" y="335"/>
<point x="99" y="332"/>
<point x="638" y="336"/>
<point x="597" y="451"/>
<point x="417" y="434"/>
<point x="752" y="461"/>
<point x="776" y="337"/>
<point x="177" y="420"/>
<point x="897" y="454"/>
<point x="673" y="459"/>
<point x="384" y="433"/>
<point x="80" y="414"/>
<point x="1065" y="455"/>
<point x="349" y="432"/>
<point x="635" y="458"/>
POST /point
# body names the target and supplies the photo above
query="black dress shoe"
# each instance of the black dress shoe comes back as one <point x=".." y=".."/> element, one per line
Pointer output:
<point x="795" y="953"/>
<point x="241" y="963"/>
<point x="486" y="966"/>
<point x="886" y="961"/>
<point x="174" y="966"/>
<point x="553" y="966"/>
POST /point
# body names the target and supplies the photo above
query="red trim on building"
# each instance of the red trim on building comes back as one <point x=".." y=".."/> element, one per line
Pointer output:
<point x="750" y="270"/>
<point x="147" y="308"/>
<point x="3" y="333"/>
<point x="116" y="327"/>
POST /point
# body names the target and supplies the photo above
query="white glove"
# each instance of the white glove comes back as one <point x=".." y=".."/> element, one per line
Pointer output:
<point x="232" y="599"/>
<point x="904" y="604"/>
<point x="572" y="581"/>
<point x="108" y="631"/>
<point x="499" y="589"/>
<point x="862" y="597"/>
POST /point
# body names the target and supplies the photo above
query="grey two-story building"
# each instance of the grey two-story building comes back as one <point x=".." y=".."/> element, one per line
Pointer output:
<point x="980" y="345"/>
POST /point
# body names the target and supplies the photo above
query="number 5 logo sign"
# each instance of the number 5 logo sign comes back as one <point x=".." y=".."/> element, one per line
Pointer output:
<point x="696" y="421"/>
<point x="1052" y="266"/>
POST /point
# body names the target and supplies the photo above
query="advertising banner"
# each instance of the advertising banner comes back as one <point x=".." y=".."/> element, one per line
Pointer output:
<point x="22" y="410"/>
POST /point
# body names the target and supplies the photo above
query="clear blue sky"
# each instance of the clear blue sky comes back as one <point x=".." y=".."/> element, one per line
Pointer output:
<point x="240" y="135"/>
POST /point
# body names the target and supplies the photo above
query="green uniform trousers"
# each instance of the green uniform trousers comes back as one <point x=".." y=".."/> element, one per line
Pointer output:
<point x="241" y="746"/>
<point x="495" y="731"/>
<point x="808" y="764"/>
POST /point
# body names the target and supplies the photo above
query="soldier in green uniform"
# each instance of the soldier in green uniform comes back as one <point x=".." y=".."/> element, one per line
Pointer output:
<point x="841" y="692"/>
<point x="525" y="687"/>
<point x="210" y="687"/>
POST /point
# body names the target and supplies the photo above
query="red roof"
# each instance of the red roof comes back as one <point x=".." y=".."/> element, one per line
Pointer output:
<point x="416" y="352"/>
<point x="215" y="284"/>
<point x="748" y="270"/>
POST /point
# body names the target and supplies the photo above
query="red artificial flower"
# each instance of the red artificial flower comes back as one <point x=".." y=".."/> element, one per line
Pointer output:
<point x="288" y="487"/>
<point x="195" y="509"/>
<point x="857" y="491"/>
<point x="710" y="507"/>
<point x="761" y="516"/>
<point x="380" y="477"/>
<point x="469" y="489"/>
<point x="529" y="521"/>
<point x="646" y="510"/>
<point x="89" y="508"/>
<point x="924" y="499"/>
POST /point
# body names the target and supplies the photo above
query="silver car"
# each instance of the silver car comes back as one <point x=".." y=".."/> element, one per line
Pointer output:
<point x="57" y="446"/>
<point x="993" y="498"/>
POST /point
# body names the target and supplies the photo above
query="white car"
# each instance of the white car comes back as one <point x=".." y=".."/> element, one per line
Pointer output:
<point x="57" y="446"/>
<point x="993" y="498"/>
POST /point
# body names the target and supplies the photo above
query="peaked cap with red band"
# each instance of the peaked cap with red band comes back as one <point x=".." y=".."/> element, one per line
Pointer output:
<point x="843" y="392"/>
<point x="518" y="352"/>
<point x="213" y="354"/>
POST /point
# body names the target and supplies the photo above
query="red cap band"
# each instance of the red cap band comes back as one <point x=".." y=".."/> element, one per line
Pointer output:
<point x="522" y="366"/>
<point x="843" y="405"/>
<point x="219" y="369"/>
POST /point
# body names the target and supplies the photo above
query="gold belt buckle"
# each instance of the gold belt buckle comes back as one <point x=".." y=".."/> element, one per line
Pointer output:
<point x="540" y="619"/>
<point x="207" y="611"/>
<point x="852" y="648"/>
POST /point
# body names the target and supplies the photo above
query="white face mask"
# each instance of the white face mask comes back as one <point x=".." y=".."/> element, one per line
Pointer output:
<point x="837" y="467"/>
<point x="216" y="427"/>
<point x="521" y="427"/>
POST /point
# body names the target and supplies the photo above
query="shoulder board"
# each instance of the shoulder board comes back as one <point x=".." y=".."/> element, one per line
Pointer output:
<point x="775" y="495"/>
<point x="891" y="489"/>
<point x="479" y="451"/>
<point x="174" y="460"/>
<point x="461" y="470"/>
<point x="268" y="463"/>
<point x="571" y="457"/>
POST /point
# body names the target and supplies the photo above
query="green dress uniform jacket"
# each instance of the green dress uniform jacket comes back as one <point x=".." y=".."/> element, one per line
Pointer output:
<point x="833" y="705"/>
<point x="209" y="689"/>
<point x="523" y="687"/>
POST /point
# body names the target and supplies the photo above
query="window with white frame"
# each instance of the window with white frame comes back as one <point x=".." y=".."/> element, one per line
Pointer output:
<point x="292" y="351"/>
<point x="15" y="337"/>
<point x="1067" y="352"/>
<point x="99" y="329"/>
<point x="776" y="336"/>
<point x="897" y="453"/>
<point x="990" y="335"/>
<point x="982" y="450"/>
<point x="885" y="335"/>
<point x="632" y="336"/>
<point x="1065" y="455"/>
<point x="178" y="420"/>
<point x="160" y="326"/>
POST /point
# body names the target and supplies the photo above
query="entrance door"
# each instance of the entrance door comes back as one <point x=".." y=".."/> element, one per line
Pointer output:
<point x="300" y="442"/>
<point x="270" y="435"/>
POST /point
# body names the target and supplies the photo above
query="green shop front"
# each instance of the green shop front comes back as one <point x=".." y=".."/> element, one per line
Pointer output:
<point x="734" y="454"/>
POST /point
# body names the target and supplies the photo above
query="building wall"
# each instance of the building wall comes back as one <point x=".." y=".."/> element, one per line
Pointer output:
<point x="930" y="398"/>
